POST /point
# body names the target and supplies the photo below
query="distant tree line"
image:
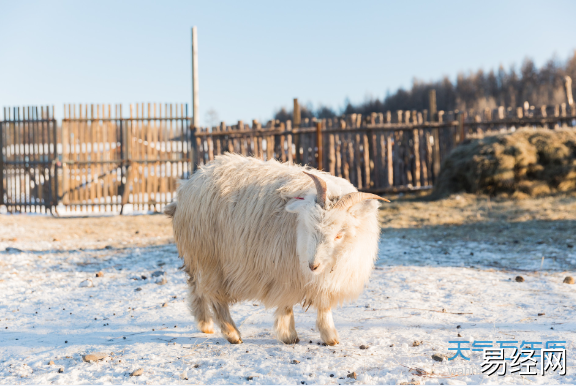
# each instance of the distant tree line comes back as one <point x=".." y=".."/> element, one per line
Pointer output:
<point x="476" y="91"/>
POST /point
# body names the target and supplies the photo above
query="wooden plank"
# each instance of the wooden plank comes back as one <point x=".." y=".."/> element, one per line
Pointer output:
<point x="397" y="160"/>
<point x="106" y="156"/>
<point x="149" y="156"/>
<point x="319" y="145"/>
<point x="290" y="153"/>
<point x="358" y="161"/>
<point x="331" y="154"/>
<point x="367" y="160"/>
<point x="304" y="145"/>
<point x="97" y="168"/>
<point x="416" y="144"/>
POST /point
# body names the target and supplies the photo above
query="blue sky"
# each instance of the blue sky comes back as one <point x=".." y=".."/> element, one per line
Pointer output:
<point x="255" y="56"/>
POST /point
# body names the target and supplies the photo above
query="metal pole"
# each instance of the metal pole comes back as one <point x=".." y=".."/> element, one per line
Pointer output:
<point x="195" y="110"/>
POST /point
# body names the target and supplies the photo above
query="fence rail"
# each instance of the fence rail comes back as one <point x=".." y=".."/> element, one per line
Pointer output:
<point x="97" y="160"/>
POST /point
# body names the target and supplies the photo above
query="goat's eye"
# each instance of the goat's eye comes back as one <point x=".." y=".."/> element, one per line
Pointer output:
<point x="338" y="236"/>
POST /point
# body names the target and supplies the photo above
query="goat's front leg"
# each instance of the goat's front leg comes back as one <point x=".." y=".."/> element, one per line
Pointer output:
<point x="325" y="324"/>
<point x="284" y="325"/>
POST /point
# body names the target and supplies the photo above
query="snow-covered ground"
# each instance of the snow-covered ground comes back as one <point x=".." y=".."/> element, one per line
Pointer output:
<point x="46" y="315"/>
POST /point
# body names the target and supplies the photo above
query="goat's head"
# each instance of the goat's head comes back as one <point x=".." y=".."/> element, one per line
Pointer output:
<point x="328" y="226"/>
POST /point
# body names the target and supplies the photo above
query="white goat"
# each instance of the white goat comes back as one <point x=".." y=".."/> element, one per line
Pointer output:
<point x="282" y="235"/>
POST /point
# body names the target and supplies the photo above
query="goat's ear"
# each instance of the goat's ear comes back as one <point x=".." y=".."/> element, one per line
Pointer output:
<point x="297" y="204"/>
<point x="364" y="208"/>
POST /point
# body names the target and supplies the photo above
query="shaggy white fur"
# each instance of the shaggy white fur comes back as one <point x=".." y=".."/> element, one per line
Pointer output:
<point x="253" y="230"/>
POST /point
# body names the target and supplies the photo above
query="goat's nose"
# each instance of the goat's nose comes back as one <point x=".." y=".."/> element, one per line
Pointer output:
<point x="313" y="267"/>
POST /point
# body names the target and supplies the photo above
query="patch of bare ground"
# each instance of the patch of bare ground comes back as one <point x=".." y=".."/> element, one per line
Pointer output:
<point x="547" y="220"/>
<point x="49" y="232"/>
<point x="461" y="217"/>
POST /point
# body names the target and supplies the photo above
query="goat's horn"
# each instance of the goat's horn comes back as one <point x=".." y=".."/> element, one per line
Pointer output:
<point x="350" y="199"/>
<point x="320" y="189"/>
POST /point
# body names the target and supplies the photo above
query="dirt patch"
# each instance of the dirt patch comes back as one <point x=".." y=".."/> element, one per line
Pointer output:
<point x="526" y="163"/>
<point x="462" y="217"/>
<point x="47" y="232"/>
<point x="468" y="217"/>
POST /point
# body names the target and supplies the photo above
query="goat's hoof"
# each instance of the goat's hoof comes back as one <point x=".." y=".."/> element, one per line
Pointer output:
<point x="233" y="337"/>
<point x="330" y="337"/>
<point x="292" y="340"/>
<point x="235" y="341"/>
<point x="206" y="327"/>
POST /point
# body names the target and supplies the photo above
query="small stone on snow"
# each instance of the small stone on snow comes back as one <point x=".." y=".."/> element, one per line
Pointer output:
<point x="137" y="373"/>
<point x="94" y="357"/>
<point x="352" y="375"/>
<point x="569" y="280"/>
<point x="363" y="347"/>
<point x="295" y="361"/>
<point x="519" y="279"/>
<point x="99" y="274"/>
<point x="438" y="357"/>
<point x="51" y="363"/>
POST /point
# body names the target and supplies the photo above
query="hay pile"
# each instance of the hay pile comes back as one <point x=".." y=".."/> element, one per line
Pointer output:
<point x="525" y="163"/>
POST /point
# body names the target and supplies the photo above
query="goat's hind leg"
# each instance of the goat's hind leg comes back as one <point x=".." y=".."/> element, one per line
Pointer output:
<point x="227" y="325"/>
<point x="284" y="325"/>
<point x="200" y="308"/>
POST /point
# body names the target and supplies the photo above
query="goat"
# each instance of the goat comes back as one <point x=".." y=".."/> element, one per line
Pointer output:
<point x="276" y="233"/>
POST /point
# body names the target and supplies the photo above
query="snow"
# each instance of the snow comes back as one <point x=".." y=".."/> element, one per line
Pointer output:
<point x="46" y="314"/>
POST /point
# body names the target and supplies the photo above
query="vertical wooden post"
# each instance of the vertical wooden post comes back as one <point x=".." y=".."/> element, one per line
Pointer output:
<point x="568" y="84"/>
<point x="435" y="132"/>
<point x="432" y="105"/>
<point x="289" y="142"/>
<point x="296" y="114"/>
<point x="461" y="127"/>
<point x="319" y="144"/>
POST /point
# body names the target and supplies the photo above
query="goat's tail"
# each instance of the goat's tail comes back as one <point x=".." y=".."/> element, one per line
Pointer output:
<point x="170" y="209"/>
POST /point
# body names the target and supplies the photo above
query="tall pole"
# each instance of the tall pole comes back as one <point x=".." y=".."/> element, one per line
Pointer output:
<point x="195" y="110"/>
<point x="568" y="84"/>
<point x="296" y="113"/>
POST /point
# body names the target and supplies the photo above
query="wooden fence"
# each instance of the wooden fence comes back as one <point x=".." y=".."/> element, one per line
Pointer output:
<point x="391" y="152"/>
<point x="97" y="160"/>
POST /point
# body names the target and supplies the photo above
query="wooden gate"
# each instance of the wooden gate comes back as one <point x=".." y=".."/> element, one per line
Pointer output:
<point x="109" y="162"/>
<point x="28" y="152"/>
<point x="92" y="158"/>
